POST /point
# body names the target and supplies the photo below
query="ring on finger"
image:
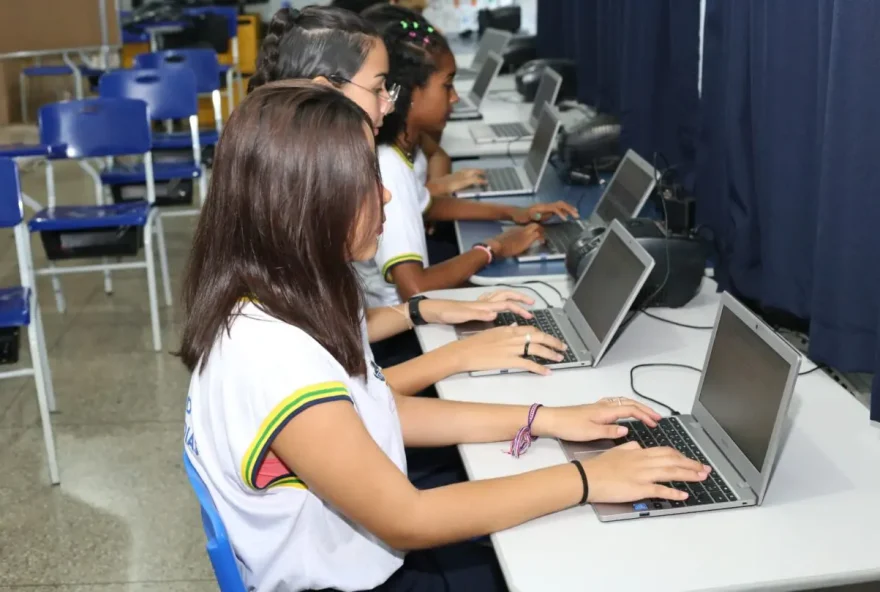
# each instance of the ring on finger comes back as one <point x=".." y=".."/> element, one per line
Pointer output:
<point x="528" y="343"/>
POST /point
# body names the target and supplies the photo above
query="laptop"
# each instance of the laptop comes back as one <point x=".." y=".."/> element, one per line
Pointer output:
<point x="623" y="198"/>
<point x="736" y="423"/>
<point x="494" y="40"/>
<point x="590" y="318"/>
<point x="548" y="90"/>
<point x="521" y="180"/>
<point x="468" y="105"/>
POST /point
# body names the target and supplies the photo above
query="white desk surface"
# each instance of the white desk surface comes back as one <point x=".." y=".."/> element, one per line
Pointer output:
<point x="497" y="107"/>
<point x="502" y="83"/>
<point x="817" y="527"/>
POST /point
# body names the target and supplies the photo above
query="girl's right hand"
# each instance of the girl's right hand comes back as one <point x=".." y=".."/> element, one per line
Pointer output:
<point x="502" y="348"/>
<point x="516" y="240"/>
<point x="629" y="473"/>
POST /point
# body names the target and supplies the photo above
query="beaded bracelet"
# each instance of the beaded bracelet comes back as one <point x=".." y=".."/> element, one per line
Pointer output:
<point x="524" y="436"/>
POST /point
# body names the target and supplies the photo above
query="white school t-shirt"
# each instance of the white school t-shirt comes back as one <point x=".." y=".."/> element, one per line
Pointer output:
<point x="256" y="378"/>
<point x="403" y="235"/>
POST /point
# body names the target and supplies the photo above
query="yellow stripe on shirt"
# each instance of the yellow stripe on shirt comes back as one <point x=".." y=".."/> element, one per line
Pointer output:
<point x="286" y="410"/>
<point x="405" y="258"/>
<point x="403" y="156"/>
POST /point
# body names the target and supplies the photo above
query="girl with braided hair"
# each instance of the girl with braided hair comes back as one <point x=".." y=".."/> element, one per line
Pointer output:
<point x="422" y="66"/>
<point x="338" y="48"/>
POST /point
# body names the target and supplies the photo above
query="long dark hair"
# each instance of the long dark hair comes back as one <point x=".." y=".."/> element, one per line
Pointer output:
<point x="293" y="173"/>
<point x="413" y="46"/>
<point x="316" y="41"/>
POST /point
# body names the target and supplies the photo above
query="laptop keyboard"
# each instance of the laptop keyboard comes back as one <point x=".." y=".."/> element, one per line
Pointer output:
<point x="560" y="236"/>
<point x="669" y="432"/>
<point x="510" y="130"/>
<point x="503" y="179"/>
<point x="542" y="320"/>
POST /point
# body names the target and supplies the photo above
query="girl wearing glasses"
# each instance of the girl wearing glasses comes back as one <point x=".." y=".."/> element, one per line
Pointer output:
<point x="337" y="47"/>
<point x="290" y="423"/>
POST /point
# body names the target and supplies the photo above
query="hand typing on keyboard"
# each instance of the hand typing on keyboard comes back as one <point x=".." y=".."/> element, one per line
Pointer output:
<point x="627" y="472"/>
<point x="514" y="241"/>
<point x="457" y="181"/>
<point x="544" y="211"/>
<point x="502" y="347"/>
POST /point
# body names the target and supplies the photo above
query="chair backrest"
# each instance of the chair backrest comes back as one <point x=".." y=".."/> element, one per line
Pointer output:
<point x="219" y="548"/>
<point x="11" y="210"/>
<point x="91" y="128"/>
<point x="228" y="12"/>
<point x="169" y="93"/>
<point x="203" y="62"/>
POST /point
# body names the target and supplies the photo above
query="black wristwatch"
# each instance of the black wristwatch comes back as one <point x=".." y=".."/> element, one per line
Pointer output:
<point x="414" y="314"/>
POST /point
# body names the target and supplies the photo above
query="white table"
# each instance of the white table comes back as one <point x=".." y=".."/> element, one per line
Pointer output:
<point x="817" y="527"/>
<point x="498" y="107"/>
<point x="502" y="83"/>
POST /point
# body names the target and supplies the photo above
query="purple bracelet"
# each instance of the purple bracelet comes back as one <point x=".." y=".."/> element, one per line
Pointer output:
<point x="524" y="436"/>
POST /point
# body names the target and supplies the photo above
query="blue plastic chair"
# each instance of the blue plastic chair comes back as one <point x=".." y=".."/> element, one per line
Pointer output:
<point x="102" y="128"/>
<point x="19" y="307"/>
<point x="218" y="546"/>
<point x="203" y="62"/>
<point x="68" y="68"/>
<point x="169" y="94"/>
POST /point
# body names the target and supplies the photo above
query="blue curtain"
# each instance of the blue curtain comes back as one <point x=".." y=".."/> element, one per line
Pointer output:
<point x="636" y="59"/>
<point x="787" y="171"/>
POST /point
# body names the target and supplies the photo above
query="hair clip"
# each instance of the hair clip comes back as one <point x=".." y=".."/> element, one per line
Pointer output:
<point x="426" y="40"/>
<point x="412" y="34"/>
<point x="404" y="24"/>
<point x="430" y="29"/>
<point x="415" y="25"/>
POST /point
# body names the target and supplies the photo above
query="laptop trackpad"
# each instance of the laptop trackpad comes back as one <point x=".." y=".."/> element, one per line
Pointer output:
<point x="465" y="329"/>
<point x="584" y="450"/>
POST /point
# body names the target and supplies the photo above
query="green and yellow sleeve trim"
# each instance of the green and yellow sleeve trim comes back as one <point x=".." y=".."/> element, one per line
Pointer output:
<point x="279" y="417"/>
<point x="403" y="156"/>
<point x="405" y="258"/>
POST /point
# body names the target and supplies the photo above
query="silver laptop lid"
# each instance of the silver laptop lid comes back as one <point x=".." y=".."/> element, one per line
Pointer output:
<point x="548" y="90"/>
<point x="488" y="72"/>
<point x="493" y="40"/>
<point x="745" y="389"/>
<point x="628" y="190"/>
<point x="606" y="291"/>
<point x="542" y="145"/>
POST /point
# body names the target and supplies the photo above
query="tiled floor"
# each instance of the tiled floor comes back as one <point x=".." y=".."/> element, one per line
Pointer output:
<point x="123" y="518"/>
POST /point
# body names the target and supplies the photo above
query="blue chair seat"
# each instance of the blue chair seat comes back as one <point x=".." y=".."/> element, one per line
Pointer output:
<point x="162" y="171"/>
<point x="182" y="140"/>
<point x="14" y="309"/>
<point x="62" y="218"/>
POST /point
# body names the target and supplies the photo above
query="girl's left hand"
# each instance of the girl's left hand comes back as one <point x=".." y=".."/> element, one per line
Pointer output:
<point x="542" y="212"/>
<point x="585" y="423"/>
<point x="454" y="312"/>
<point x="463" y="179"/>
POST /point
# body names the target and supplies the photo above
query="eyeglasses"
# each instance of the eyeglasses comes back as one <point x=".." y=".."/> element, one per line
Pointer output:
<point x="388" y="101"/>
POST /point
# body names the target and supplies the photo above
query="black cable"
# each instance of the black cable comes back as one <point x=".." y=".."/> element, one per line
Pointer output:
<point x="532" y="290"/>
<point x="632" y="381"/>
<point x="510" y="144"/>
<point x="558" y="293"/>
<point x="811" y="370"/>
<point x="676" y="323"/>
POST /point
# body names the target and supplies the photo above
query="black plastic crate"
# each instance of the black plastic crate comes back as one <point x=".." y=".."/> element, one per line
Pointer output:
<point x="177" y="192"/>
<point x="117" y="241"/>
<point x="10" y="338"/>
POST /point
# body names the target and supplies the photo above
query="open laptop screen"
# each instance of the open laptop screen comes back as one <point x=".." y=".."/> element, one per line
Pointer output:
<point x="545" y="92"/>
<point x="743" y="385"/>
<point x="493" y="40"/>
<point x="624" y="194"/>
<point x="607" y="284"/>
<point x="484" y="78"/>
<point x="541" y="144"/>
